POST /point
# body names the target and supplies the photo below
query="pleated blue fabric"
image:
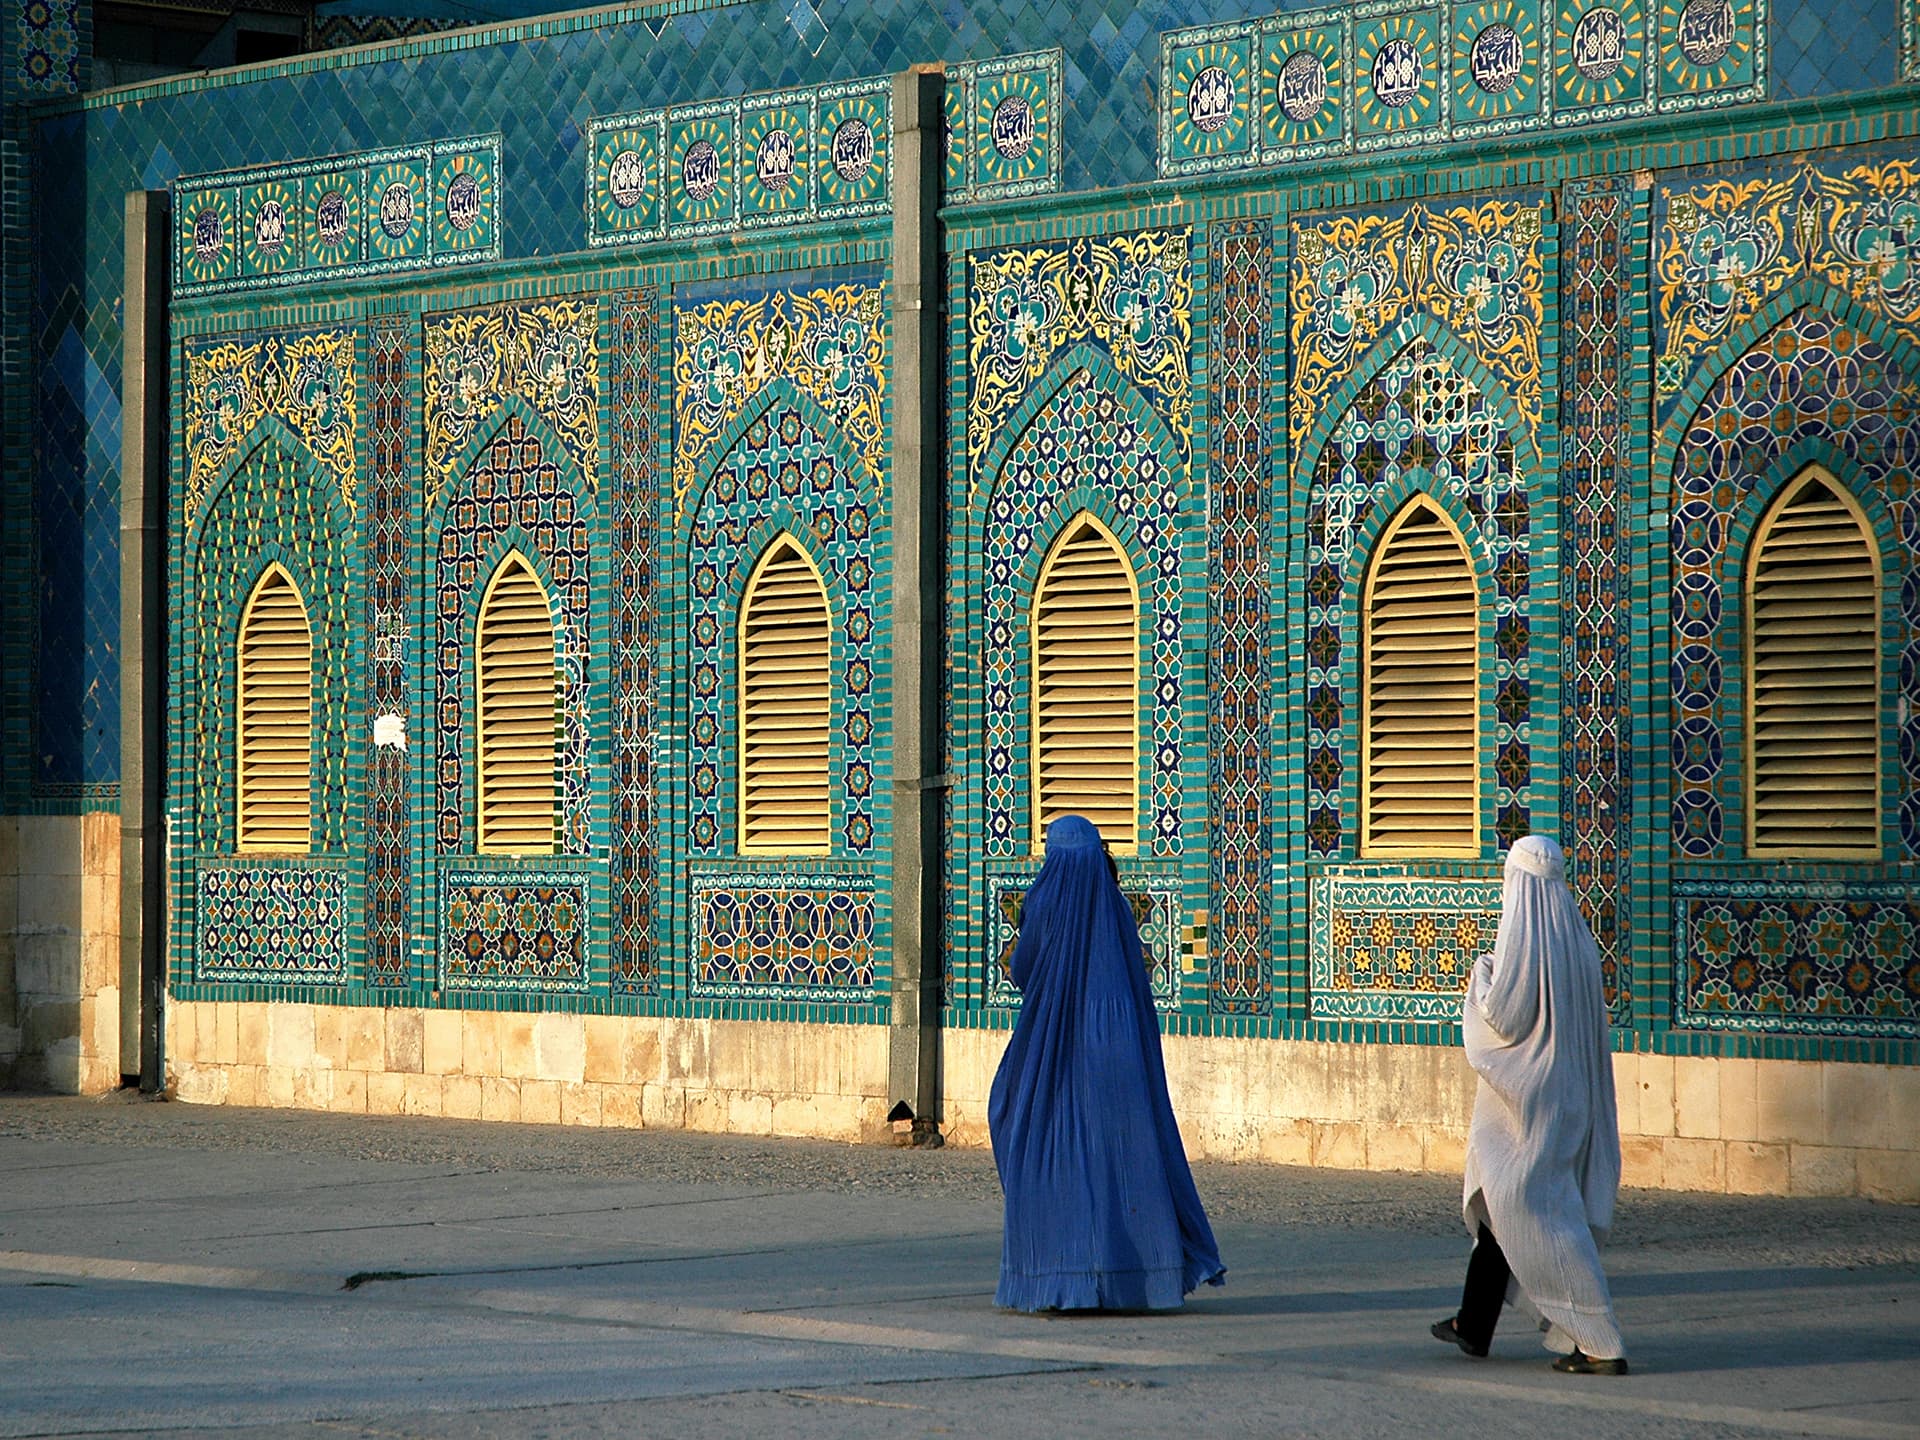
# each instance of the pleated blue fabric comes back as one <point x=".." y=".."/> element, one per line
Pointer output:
<point x="1102" y="1213"/>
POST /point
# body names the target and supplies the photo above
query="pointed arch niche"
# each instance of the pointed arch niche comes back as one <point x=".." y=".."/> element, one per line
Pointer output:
<point x="785" y="705"/>
<point x="517" y="697"/>
<point x="273" y="756"/>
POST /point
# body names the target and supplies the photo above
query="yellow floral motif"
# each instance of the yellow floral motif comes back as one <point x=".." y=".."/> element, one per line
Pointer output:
<point x="1382" y="930"/>
<point x="1475" y="268"/>
<point x="546" y="353"/>
<point x="306" y="380"/>
<point x="831" y="343"/>
<point x="1725" y="249"/>
<point x="1132" y="294"/>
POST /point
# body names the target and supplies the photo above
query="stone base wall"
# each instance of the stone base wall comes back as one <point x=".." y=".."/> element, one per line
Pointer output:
<point x="60" y="1002"/>
<point x="735" y="1077"/>
<point x="1735" y="1126"/>
<point x="1751" y="1127"/>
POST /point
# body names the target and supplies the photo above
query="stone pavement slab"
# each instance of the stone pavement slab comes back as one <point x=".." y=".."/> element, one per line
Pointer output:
<point x="169" y="1269"/>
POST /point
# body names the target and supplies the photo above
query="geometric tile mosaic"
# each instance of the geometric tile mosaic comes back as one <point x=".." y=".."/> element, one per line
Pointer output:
<point x="1239" y="582"/>
<point x="285" y="922"/>
<point x="1811" y="956"/>
<point x="1156" y="913"/>
<point x="521" y="930"/>
<point x="49" y="53"/>
<point x="633" y="860"/>
<point x="390" y="651"/>
<point x="1598" y="766"/>
<point x="773" y="934"/>
<point x="779" y="158"/>
<point x="337" y="216"/>
<point x="1003" y="119"/>
<point x="1397" y="949"/>
<point x="1297" y="84"/>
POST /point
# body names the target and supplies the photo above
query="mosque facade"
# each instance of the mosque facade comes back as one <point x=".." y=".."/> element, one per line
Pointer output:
<point x="559" y="570"/>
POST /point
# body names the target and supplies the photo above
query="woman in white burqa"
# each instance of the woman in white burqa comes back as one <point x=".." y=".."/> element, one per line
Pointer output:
<point x="1543" y="1153"/>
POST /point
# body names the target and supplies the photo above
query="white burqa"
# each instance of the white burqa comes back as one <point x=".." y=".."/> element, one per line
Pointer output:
<point x="1543" y="1153"/>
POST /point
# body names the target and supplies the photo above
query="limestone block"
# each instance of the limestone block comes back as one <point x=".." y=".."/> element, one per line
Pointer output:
<point x="1696" y="1100"/>
<point x="606" y="1055"/>
<point x="579" y="1103"/>
<point x="707" y="1111"/>
<point x="640" y="1037"/>
<point x="290" y="1036"/>
<point x="1890" y="1174"/>
<point x="663" y="1107"/>
<point x="480" y="1042"/>
<point x="559" y="1048"/>
<point x="1821" y="1170"/>
<point x="540" y="1102"/>
<point x="366" y="1030"/>
<point x="1656" y="1095"/>
<point x="49" y="845"/>
<point x="250" y="1020"/>
<point x="98" y="1075"/>
<point x="1643" y="1161"/>
<point x="422" y="1094"/>
<point x="51" y="903"/>
<point x="516" y="1045"/>
<point x="312" y="1089"/>
<point x="440" y="1042"/>
<point x="782" y="1060"/>
<point x="330" y="1037"/>
<point x="277" y="1089"/>
<point x="349" y="1092"/>
<point x="100" y="844"/>
<point x="1446" y="1150"/>
<point x="100" y="1027"/>
<point x="1396" y="1147"/>
<point x="499" y="1098"/>
<point x="183" y="1042"/>
<point x="46" y="964"/>
<point x="1340" y="1145"/>
<point x="1287" y="1142"/>
<point x="1791" y="1106"/>
<point x="620" y="1106"/>
<point x="1903" y="1107"/>
<point x="460" y="1100"/>
<point x="1857" y="1098"/>
<point x="204" y="1027"/>
<point x="99" y="962"/>
<point x="406" y="1041"/>
<point x="100" y="906"/>
<point x="246" y="1085"/>
<point x="1739" y="1098"/>
<point x="1693" y="1164"/>
<point x="47" y="1024"/>
<point x="200" y="1084"/>
<point x="385" y="1092"/>
<point x="685" y="1052"/>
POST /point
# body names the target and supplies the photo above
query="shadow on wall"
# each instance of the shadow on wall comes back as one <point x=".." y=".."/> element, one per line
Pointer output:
<point x="60" y="952"/>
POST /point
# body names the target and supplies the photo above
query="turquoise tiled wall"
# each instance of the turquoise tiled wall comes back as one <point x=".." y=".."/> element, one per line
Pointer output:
<point x="1238" y="333"/>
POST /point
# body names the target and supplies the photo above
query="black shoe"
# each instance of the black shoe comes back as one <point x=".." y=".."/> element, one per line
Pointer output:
<point x="1581" y="1363"/>
<point x="1447" y="1330"/>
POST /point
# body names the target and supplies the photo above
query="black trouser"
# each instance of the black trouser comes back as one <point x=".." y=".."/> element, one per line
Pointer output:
<point x="1484" y="1293"/>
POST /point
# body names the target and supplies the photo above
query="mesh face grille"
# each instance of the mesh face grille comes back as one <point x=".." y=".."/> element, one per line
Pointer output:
<point x="1813" y="604"/>
<point x="1421" y="767"/>
<point x="276" y="721"/>
<point x="1087" y="687"/>
<point x="518" y="714"/>
<point x="785" y="707"/>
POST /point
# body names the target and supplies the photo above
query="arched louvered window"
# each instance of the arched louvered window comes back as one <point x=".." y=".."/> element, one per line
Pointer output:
<point x="786" y="646"/>
<point x="1086" y="686"/>
<point x="1420" y="691"/>
<point x="1813" y="667"/>
<point x="275" y="771"/>
<point x="519" y="713"/>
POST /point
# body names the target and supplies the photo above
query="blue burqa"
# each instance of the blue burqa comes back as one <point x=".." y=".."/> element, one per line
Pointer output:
<point x="1101" y="1208"/>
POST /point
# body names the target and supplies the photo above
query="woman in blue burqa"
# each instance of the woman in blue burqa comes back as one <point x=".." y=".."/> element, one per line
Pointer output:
<point x="1101" y="1209"/>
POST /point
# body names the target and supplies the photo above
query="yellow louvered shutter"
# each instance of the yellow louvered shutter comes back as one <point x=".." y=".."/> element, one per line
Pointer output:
<point x="1086" y="673"/>
<point x="785" y="707"/>
<point x="276" y="720"/>
<point x="1420" y="679"/>
<point x="518" y="714"/>
<point x="1813" y="700"/>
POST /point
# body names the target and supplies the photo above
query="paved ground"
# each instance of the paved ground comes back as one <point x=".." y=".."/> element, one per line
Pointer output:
<point x="182" y="1270"/>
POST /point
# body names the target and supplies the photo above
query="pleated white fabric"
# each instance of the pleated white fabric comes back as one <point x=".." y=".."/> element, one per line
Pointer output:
<point x="1543" y="1152"/>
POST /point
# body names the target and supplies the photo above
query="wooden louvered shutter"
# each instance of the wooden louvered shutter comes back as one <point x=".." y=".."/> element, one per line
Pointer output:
<point x="785" y="707"/>
<point x="275" y="790"/>
<point x="1813" y="707"/>
<point x="1086" y="673"/>
<point x="518" y="714"/>
<point x="1420" y="680"/>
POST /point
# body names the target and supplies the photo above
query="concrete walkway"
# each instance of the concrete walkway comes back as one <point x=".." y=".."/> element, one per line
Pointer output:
<point x="175" y="1269"/>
